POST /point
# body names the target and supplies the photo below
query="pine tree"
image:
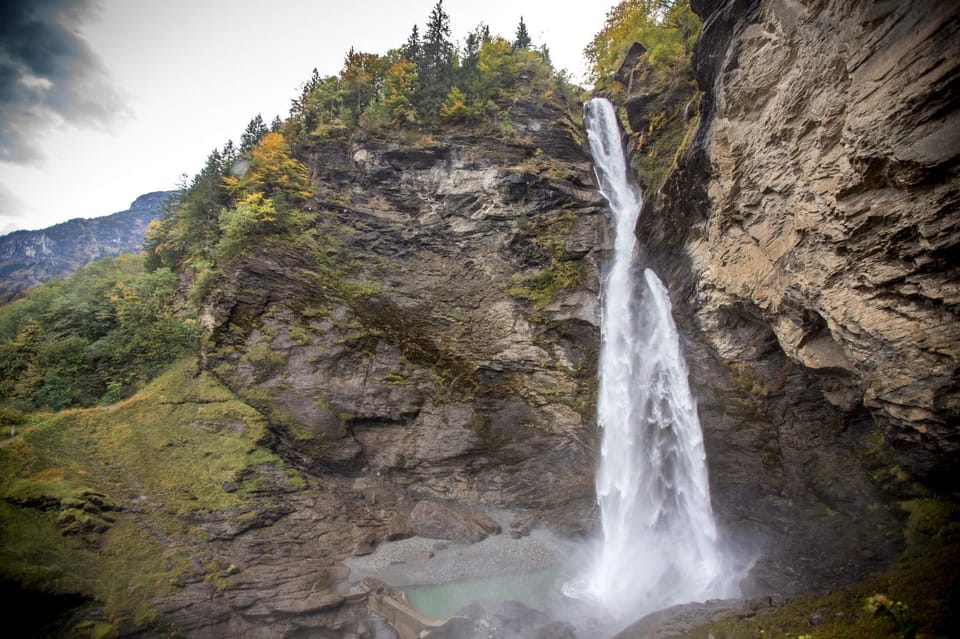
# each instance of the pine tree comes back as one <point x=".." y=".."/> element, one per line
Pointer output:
<point x="468" y="74"/>
<point x="437" y="48"/>
<point x="252" y="134"/>
<point x="522" y="40"/>
<point x="471" y="48"/>
<point x="412" y="49"/>
<point x="436" y="64"/>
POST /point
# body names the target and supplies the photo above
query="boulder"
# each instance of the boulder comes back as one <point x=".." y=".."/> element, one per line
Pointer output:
<point x="436" y="521"/>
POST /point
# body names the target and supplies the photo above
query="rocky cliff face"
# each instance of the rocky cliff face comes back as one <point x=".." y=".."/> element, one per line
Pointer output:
<point x="427" y="353"/>
<point x="439" y="333"/>
<point x="809" y="233"/>
<point x="428" y="350"/>
<point x="28" y="258"/>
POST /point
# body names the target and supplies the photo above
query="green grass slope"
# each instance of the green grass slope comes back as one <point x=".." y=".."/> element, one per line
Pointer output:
<point x="109" y="502"/>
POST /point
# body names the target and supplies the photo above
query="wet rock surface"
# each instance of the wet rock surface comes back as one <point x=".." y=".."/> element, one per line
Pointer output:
<point x="677" y="621"/>
<point x="808" y="236"/>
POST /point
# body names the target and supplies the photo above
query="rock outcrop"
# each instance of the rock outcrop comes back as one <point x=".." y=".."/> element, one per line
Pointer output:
<point x="436" y="521"/>
<point x="28" y="258"/>
<point x="809" y="233"/>
<point x="438" y="334"/>
<point x="427" y="353"/>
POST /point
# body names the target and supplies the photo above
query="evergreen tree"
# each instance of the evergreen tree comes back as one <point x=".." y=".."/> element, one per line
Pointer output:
<point x="228" y="155"/>
<point x="522" y="40"/>
<point x="545" y="55"/>
<point x="436" y="64"/>
<point x="412" y="49"/>
<point x="437" y="48"/>
<point x="469" y="74"/>
<point x="316" y="114"/>
<point x="471" y="51"/>
<point x="252" y="134"/>
<point x="276" y="124"/>
<point x="186" y="234"/>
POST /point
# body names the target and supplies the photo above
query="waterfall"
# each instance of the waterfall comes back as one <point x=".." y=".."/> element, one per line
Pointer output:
<point x="659" y="544"/>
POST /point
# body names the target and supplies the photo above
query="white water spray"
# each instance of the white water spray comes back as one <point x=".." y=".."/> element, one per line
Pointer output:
<point x="659" y="543"/>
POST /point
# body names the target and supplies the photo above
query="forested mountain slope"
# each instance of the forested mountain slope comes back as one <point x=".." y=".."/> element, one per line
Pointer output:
<point x="28" y="258"/>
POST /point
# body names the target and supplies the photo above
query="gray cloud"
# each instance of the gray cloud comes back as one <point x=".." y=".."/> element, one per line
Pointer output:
<point x="48" y="74"/>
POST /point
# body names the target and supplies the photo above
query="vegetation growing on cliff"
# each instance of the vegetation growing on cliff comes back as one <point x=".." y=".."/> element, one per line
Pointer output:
<point x="918" y="597"/>
<point x="426" y="81"/>
<point x="92" y="338"/>
<point x="91" y="493"/>
<point x="654" y="85"/>
<point x="667" y="29"/>
<point x="261" y="188"/>
<point x="238" y="196"/>
<point x="542" y="287"/>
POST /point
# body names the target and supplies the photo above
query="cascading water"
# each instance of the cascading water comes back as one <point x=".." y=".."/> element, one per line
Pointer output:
<point x="659" y="543"/>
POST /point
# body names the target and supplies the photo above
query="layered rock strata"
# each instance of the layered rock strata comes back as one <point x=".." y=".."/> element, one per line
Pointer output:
<point x="445" y="337"/>
<point x="809" y="234"/>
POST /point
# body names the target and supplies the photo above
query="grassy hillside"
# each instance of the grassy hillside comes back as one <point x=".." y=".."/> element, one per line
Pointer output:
<point x="97" y="501"/>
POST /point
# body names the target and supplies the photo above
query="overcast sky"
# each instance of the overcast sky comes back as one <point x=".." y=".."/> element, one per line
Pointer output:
<point x="103" y="101"/>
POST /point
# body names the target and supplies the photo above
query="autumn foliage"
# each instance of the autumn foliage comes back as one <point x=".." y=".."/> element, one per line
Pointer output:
<point x="666" y="28"/>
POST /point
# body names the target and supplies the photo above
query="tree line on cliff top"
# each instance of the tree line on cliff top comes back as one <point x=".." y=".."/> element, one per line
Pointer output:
<point x="261" y="188"/>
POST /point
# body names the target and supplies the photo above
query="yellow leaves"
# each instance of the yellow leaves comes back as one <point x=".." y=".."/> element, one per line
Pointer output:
<point x="332" y="129"/>
<point x="666" y="28"/>
<point x="497" y="60"/>
<point x="153" y="231"/>
<point x="258" y="208"/>
<point x="272" y="173"/>
<point x="254" y="216"/>
<point x="454" y="108"/>
<point x="399" y="88"/>
<point x="231" y="183"/>
<point x="361" y="68"/>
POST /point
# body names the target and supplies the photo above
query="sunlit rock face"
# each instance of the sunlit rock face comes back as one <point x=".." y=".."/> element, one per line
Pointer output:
<point x="809" y="235"/>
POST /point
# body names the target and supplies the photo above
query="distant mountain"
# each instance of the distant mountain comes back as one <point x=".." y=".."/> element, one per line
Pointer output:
<point x="28" y="258"/>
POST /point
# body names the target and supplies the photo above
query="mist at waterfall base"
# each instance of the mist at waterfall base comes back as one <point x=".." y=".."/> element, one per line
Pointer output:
<point x="659" y="545"/>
